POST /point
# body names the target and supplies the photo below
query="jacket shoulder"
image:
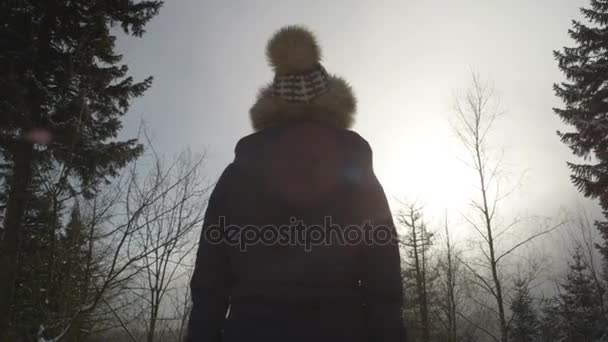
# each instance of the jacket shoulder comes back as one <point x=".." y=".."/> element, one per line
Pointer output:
<point x="357" y="140"/>
<point x="256" y="140"/>
<point x="353" y="143"/>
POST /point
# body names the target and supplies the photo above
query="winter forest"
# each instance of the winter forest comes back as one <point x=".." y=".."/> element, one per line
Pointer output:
<point x="99" y="225"/>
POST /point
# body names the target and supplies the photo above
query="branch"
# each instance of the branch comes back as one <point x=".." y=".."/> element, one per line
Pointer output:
<point x="528" y="240"/>
<point x="124" y="327"/>
<point x="511" y="225"/>
<point x="478" y="326"/>
<point x="478" y="276"/>
<point x="475" y="227"/>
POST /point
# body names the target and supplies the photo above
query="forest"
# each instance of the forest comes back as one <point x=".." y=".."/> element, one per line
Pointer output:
<point x="98" y="232"/>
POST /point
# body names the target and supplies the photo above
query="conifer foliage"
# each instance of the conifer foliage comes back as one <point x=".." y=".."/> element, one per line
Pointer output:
<point x="585" y="97"/>
<point x="525" y="322"/>
<point x="577" y="307"/>
<point x="63" y="92"/>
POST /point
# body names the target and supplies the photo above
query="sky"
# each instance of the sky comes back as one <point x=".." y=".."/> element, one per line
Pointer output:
<point x="406" y="61"/>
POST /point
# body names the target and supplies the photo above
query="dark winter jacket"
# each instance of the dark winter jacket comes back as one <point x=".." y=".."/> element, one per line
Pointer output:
<point x="306" y="176"/>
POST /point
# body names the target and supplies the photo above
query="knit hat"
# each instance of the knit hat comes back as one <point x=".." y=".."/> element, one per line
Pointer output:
<point x="302" y="89"/>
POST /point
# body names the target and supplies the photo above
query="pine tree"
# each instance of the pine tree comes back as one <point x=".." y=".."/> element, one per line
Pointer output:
<point x="525" y="323"/>
<point x="38" y="290"/>
<point x="63" y="92"/>
<point x="549" y="321"/>
<point x="577" y="307"/>
<point x="75" y="277"/>
<point x="585" y="95"/>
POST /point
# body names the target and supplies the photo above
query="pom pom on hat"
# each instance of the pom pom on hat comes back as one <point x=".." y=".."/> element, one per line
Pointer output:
<point x="293" y="50"/>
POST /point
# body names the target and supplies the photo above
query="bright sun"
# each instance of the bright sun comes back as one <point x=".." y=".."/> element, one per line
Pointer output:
<point x="431" y="175"/>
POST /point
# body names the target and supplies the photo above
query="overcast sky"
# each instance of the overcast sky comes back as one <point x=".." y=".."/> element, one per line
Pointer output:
<point x="405" y="60"/>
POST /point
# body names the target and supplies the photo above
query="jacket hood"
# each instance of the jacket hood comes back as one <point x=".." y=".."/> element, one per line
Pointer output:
<point x="335" y="107"/>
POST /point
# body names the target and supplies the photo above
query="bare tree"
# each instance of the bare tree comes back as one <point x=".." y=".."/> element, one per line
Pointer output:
<point x="476" y="113"/>
<point x="457" y="311"/>
<point x="182" y="305"/>
<point x="417" y="241"/>
<point x="115" y="220"/>
<point x="450" y="267"/>
<point x="168" y="227"/>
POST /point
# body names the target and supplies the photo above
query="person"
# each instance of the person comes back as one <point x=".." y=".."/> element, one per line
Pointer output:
<point x="298" y="242"/>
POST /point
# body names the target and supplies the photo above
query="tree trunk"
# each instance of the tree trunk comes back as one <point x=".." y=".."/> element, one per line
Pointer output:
<point x="490" y="239"/>
<point x="152" y="327"/>
<point x="420" y="281"/>
<point x="451" y="300"/>
<point x="424" y="301"/>
<point x="20" y="180"/>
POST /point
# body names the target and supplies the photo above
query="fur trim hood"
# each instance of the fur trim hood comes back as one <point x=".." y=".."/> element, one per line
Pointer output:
<point x="293" y="50"/>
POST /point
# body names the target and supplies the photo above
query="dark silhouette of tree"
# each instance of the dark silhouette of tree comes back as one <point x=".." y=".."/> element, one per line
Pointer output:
<point x="549" y="320"/>
<point x="63" y="92"/>
<point x="449" y="303"/>
<point x="37" y="289"/>
<point x="75" y="273"/>
<point x="584" y="236"/>
<point x="577" y="309"/>
<point x="418" y="272"/>
<point x="586" y="103"/>
<point x="524" y="325"/>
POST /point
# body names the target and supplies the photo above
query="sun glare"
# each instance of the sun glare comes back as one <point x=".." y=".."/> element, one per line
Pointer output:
<point x="431" y="176"/>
